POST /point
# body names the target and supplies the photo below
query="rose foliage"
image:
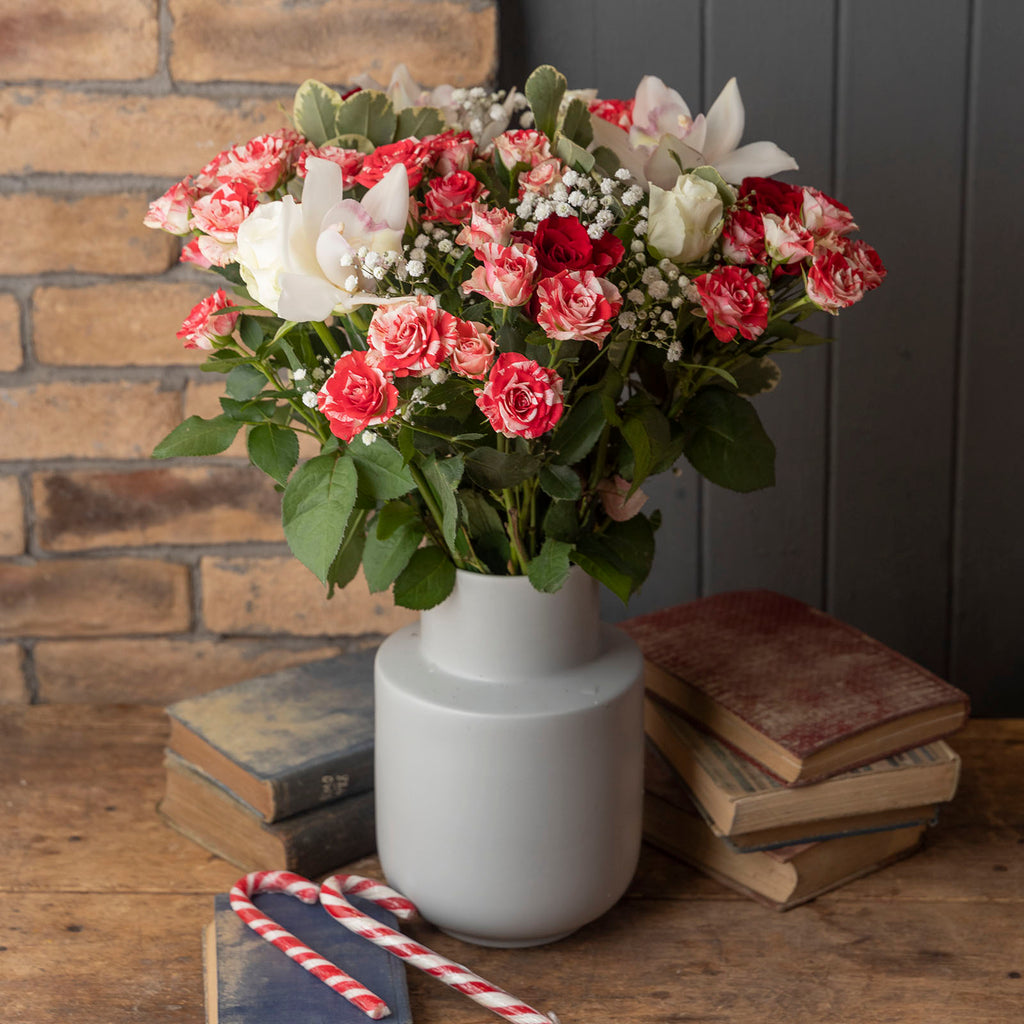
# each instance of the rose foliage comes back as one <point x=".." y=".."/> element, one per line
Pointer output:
<point x="488" y="335"/>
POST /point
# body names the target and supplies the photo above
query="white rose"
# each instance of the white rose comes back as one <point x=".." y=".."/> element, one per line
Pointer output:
<point x="262" y="249"/>
<point x="683" y="223"/>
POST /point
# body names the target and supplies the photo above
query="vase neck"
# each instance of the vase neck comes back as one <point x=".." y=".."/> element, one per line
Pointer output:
<point x="500" y="628"/>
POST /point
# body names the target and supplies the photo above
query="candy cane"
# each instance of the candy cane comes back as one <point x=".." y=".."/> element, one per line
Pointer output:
<point x="302" y="888"/>
<point x="458" y="977"/>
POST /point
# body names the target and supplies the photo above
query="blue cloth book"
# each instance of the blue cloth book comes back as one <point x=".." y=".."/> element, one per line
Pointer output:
<point x="288" y="741"/>
<point x="249" y="981"/>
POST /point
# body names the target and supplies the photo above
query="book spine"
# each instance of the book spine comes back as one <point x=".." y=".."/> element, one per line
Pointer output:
<point x="345" y="774"/>
<point x="325" y="839"/>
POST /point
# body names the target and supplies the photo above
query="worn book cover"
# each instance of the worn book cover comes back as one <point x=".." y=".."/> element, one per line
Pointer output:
<point x="738" y="798"/>
<point x="781" y="878"/>
<point x="805" y="695"/>
<point x="311" y="843"/>
<point x="288" y="741"/>
<point x="249" y="981"/>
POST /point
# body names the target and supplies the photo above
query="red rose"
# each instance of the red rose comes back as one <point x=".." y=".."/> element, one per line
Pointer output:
<point x="357" y="395"/>
<point x="562" y="243"/>
<point x="521" y="397"/>
<point x="450" y="198"/>
<point x="349" y="160"/>
<point x="767" y="195"/>
<point x="411" y="152"/>
<point x="743" y="237"/>
<point x="734" y="300"/>
<point x="617" y="112"/>
<point x="840" y="276"/>
<point x="209" y="321"/>
<point x="451" y="151"/>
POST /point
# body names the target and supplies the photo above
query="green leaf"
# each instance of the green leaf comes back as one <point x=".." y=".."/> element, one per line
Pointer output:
<point x="725" y="441"/>
<point x="549" y="570"/>
<point x="792" y="338"/>
<point x="315" y="111"/>
<point x="621" y="557"/>
<point x="426" y="581"/>
<point x="350" y="555"/>
<point x="575" y="156"/>
<point x="419" y="121"/>
<point x="494" y="470"/>
<point x="353" y="140"/>
<point x="318" y="501"/>
<point x="544" y="91"/>
<point x="562" y="521"/>
<point x="560" y="482"/>
<point x="251" y="330"/>
<point x="244" y="382"/>
<point x="725" y="191"/>
<point x="578" y="432"/>
<point x="443" y="477"/>
<point x="368" y="113"/>
<point x="383" y="473"/>
<point x="274" y="449"/>
<point x="482" y="517"/>
<point x="756" y="376"/>
<point x="197" y="436"/>
<point x="648" y="435"/>
<point x="606" y="161"/>
<point x="576" y="123"/>
<point x="392" y="516"/>
<point x="385" y="557"/>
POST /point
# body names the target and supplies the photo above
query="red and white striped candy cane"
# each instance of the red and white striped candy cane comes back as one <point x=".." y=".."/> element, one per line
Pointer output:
<point x="458" y="977"/>
<point x="302" y="888"/>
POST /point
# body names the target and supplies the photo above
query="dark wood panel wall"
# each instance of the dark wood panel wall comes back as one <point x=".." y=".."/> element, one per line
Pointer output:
<point x="900" y="476"/>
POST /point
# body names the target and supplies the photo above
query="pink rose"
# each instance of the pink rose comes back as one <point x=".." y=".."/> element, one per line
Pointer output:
<point x="612" y="491"/>
<point x="521" y="397"/>
<point x="172" y="210"/>
<point x="617" y="112"/>
<point x="451" y="197"/>
<point x="452" y="152"/>
<point x="542" y="178"/>
<point x="357" y="395"/>
<point x="840" y="276"/>
<point x="734" y="300"/>
<point x="743" y="237"/>
<point x="349" y="160"/>
<point x="262" y="162"/>
<point x="523" y="146"/>
<point x="407" y="337"/>
<point x="472" y="347"/>
<point x="487" y="225"/>
<point x="823" y="215"/>
<point x="208" y="322"/>
<point x="411" y="152"/>
<point x="219" y="213"/>
<point x="506" y="277"/>
<point x="576" y="304"/>
<point x="786" y="240"/>
<point x="191" y="253"/>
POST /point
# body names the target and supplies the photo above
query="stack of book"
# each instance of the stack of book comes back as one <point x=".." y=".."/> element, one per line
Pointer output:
<point x="788" y="753"/>
<point x="276" y="772"/>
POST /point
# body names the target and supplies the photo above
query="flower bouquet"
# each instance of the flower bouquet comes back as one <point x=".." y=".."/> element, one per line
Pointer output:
<point x="491" y="336"/>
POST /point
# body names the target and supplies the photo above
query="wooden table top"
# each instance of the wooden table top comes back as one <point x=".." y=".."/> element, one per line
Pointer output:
<point x="102" y="906"/>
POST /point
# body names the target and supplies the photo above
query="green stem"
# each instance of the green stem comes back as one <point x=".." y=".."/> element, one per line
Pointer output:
<point x="435" y="512"/>
<point x="326" y="337"/>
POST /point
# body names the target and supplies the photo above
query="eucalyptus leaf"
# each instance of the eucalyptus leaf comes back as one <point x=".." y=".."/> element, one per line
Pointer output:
<point x="273" y="449"/>
<point x="385" y="557"/>
<point x="368" y="113"/>
<point x="317" y="503"/>
<point x="550" y="569"/>
<point x="197" y="436"/>
<point x="353" y="140"/>
<point x="419" y="121"/>
<point x="544" y="90"/>
<point x="383" y="473"/>
<point x="576" y="123"/>
<point x="426" y="581"/>
<point x="756" y="376"/>
<point x="725" y="441"/>
<point x="315" y="111"/>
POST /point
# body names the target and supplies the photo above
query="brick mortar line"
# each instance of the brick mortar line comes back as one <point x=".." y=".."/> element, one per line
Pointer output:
<point x="189" y="555"/>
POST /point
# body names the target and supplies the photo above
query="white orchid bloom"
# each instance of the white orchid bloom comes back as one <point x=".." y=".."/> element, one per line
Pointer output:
<point x="304" y="261"/>
<point x="666" y="137"/>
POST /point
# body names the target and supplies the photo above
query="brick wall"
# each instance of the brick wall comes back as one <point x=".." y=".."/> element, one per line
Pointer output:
<point x="120" y="578"/>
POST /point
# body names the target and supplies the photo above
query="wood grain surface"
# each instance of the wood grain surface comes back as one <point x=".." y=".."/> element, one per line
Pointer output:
<point x="102" y="907"/>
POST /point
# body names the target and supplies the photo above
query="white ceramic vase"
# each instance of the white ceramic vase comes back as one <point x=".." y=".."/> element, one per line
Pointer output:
<point x="509" y="760"/>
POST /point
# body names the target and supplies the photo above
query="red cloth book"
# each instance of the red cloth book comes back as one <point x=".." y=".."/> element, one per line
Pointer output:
<point x="798" y="691"/>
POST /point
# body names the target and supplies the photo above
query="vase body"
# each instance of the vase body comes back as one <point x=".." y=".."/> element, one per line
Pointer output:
<point x="509" y="760"/>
